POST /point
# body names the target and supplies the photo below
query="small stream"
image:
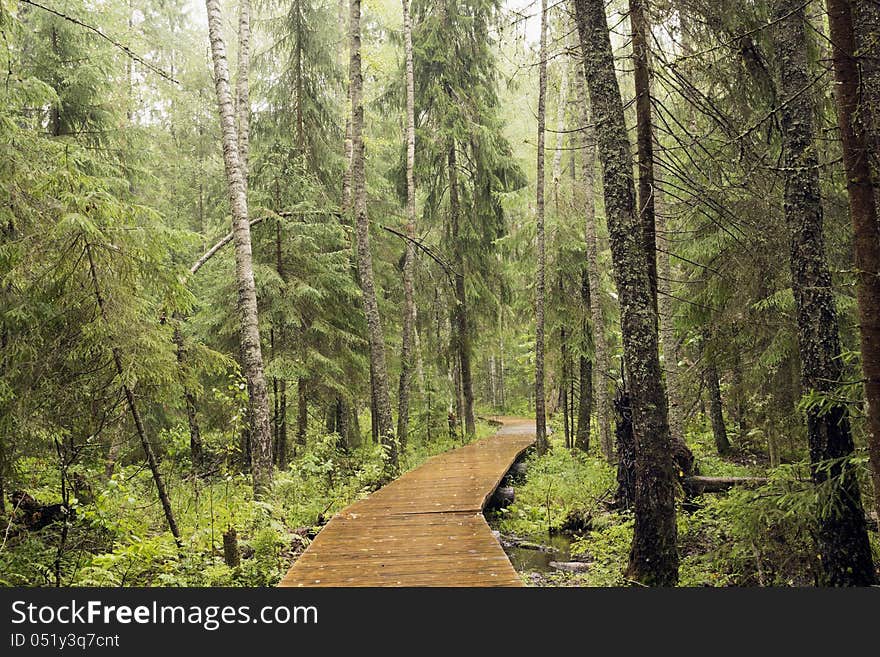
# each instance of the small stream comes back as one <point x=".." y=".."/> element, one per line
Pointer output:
<point x="556" y="547"/>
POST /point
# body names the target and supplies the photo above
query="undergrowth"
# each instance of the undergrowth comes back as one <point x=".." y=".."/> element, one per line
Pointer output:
<point x="118" y="536"/>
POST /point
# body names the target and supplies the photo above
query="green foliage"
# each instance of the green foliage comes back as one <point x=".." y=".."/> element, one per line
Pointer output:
<point x="557" y="483"/>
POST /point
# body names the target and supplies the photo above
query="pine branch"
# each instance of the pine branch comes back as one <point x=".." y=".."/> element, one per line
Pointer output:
<point x="128" y="51"/>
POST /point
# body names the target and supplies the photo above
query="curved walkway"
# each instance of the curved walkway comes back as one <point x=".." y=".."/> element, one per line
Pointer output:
<point x="425" y="528"/>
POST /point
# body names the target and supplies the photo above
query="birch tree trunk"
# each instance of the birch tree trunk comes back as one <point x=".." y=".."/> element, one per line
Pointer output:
<point x="249" y="330"/>
<point x="842" y="537"/>
<point x="242" y="88"/>
<point x="602" y="365"/>
<point x="379" y="380"/>
<point x="406" y="356"/>
<point x="540" y="413"/>
<point x="654" y="555"/>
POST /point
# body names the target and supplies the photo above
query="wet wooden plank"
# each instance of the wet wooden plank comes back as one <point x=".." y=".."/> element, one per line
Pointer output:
<point x="425" y="528"/>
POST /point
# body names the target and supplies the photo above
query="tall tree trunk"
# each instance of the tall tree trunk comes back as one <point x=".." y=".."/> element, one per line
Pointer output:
<point x="585" y="398"/>
<point x="282" y="425"/>
<point x="242" y="88"/>
<point x="189" y="398"/>
<point x="644" y="136"/>
<point x="406" y="356"/>
<point x="540" y="412"/>
<point x="866" y="25"/>
<point x="379" y="381"/>
<point x="152" y="461"/>
<point x="716" y="408"/>
<point x="563" y="386"/>
<point x="249" y="330"/>
<point x="460" y="323"/>
<point x="667" y="326"/>
<point x="560" y="132"/>
<point x="602" y="361"/>
<point x="843" y="541"/>
<point x="654" y="556"/>
<point x="863" y="212"/>
<point x="302" y="412"/>
<point x="300" y="114"/>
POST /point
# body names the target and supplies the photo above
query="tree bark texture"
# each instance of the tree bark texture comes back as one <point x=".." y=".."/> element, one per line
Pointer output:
<point x="379" y="380"/>
<point x="863" y="213"/>
<point x="460" y="323"/>
<point x="249" y="330"/>
<point x="585" y="396"/>
<point x="654" y="556"/>
<point x="541" y="444"/>
<point x="242" y="88"/>
<point x="716" y="409"/>
<point x="406" y="350"/>
<point x="842" y="537"/>
<point x="602" y="359"/>
<point x="644" y="136"/>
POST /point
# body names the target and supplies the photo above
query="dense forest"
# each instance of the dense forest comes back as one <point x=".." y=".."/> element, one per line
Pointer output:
<point x="258" y="258"/>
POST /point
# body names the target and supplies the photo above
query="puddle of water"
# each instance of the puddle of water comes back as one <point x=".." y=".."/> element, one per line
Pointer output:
<point x="529" y="560"/>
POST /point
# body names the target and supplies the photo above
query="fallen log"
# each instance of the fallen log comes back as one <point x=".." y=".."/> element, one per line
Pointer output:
<point x="571" y="566"/>
<point x="700" y="485"/>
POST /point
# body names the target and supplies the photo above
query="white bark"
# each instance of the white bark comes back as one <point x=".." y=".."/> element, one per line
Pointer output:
<point x="249" y="332"/>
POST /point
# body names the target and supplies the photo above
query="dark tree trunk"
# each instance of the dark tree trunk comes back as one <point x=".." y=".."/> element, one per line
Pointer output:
<point x="189" y="398"/>
<point x="626" y="451"/>
<point x="716" y="410"/>
<point x="563" y="388"/>
<point x="541" y="444"/>
<point x="863" y="212"/>
<point x="842" y="537"/>
<point x="231" y="553"/>
<point x="601" y="366"/>
<point x="281" y="439"/>
<point x="460" y="322"/>
<point x="152" y="461"/>
<point x="866" y="25"/>
<point x="302" y="412"/>
<point x="379" y="379"/>
<point x="654" y="556"/>
<point x="585" y="398"/>
<point x="644" y="137"/>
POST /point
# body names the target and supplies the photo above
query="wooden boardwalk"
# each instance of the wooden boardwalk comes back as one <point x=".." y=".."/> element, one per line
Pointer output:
<point x="425" y="528"/>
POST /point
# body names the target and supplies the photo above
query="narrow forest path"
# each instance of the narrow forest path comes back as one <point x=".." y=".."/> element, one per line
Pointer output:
<point x="425" y="528"/>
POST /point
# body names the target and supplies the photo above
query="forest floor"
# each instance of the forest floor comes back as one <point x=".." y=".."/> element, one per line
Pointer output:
<point x="563" y="530"/>
<point x="118" y="535"/>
